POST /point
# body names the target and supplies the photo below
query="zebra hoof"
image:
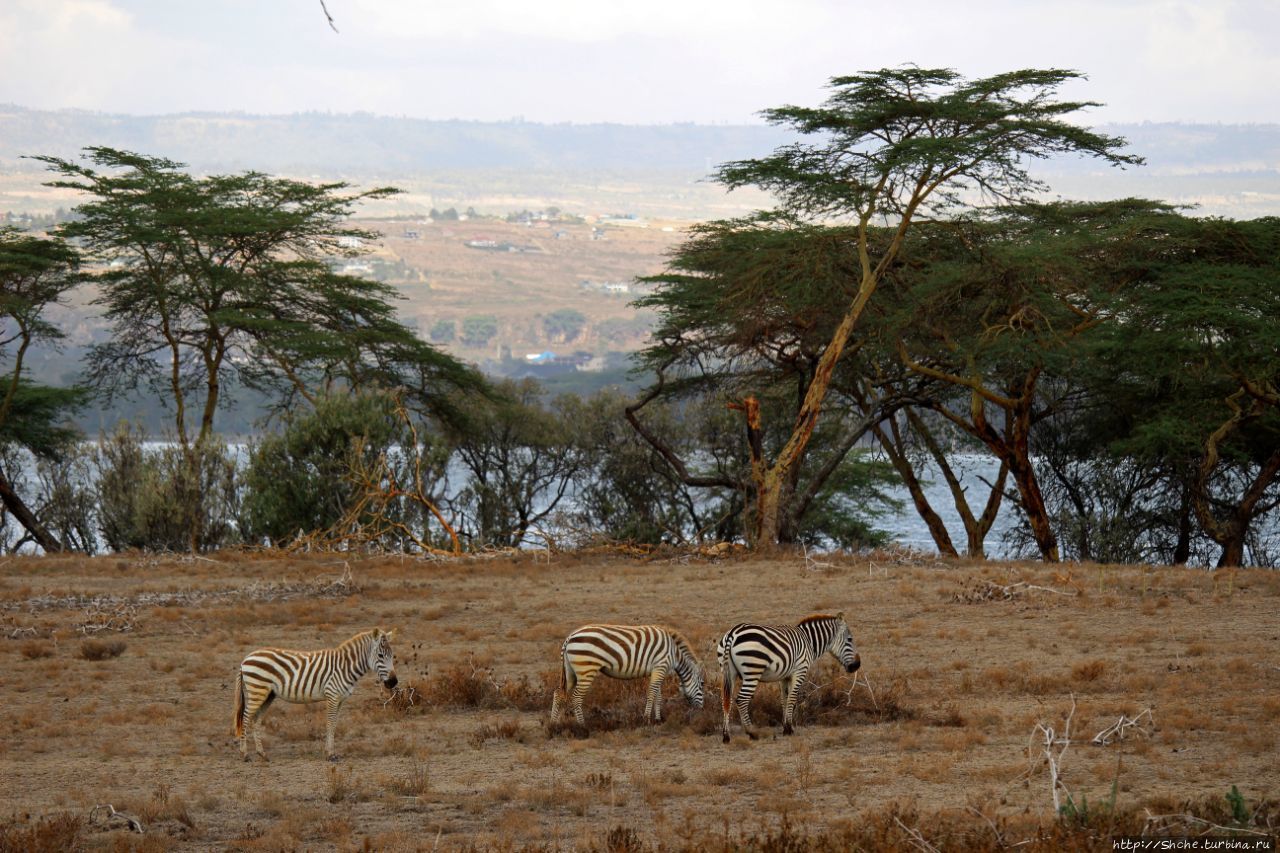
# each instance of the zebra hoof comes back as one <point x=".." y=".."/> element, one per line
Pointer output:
<point x="753" y="735"/>
<point x="726" y="738"/>
<point x="787" y="730"/>
<point x="334" y="758"/>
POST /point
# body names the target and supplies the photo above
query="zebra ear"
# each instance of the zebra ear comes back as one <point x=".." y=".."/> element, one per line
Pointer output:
<point x="840" y="615"/>
<point x="391" y="635"/>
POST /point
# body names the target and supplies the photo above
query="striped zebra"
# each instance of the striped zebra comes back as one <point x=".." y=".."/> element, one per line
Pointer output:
<point x="754" y="653"/>
<point x="626" y="651"/>
<point x="328" y="674"/>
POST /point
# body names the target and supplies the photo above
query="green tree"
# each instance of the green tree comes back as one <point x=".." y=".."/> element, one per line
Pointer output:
<point x="443" y="331"/>
<point x="479" y="329"/>
<point x="36" y="273"/>
<point x="892" y="146"/>
<point x="745" y="312"/>
<point x="564" y="325"/>
<point x="226" y="279"/>
<point x="1193" y="373"/>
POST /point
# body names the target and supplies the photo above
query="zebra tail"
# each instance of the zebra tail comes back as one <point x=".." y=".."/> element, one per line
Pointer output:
<point x="238" y="726"/>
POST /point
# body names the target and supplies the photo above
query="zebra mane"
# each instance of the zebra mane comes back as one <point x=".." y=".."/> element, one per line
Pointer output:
<point x="817" y="617"/>
<point x="681" y="643"/>
<point x="358" y="639"/>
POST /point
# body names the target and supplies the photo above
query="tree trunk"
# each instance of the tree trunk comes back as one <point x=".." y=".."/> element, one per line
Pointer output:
<point x="937" y="530"/>
<point x="27" y="518"/>
<point x="1232" y="547"/>
<point x="1033" y="506"/>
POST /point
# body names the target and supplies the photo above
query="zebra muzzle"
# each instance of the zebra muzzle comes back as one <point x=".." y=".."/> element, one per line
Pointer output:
<point x="853" y="667"/>
<point x="390" y="682"/>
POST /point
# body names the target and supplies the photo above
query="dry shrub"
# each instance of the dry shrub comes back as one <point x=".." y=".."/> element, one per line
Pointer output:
<point x="895" y="828"/>
<point x="505" y="730"/>
<point x="471" y="686"/>
<point x="51" y="834"/>
<point x="36" y="649"/>
<point x="1089" y="671"/>
<point x="416" y="784"/>
<point x="91" y="649"/>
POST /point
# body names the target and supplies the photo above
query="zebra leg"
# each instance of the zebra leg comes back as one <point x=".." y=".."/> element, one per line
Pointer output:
<point x="561" y="694"/>
<point x="745" y="692"/>
<point x="793" y="685"/>
<point x="653" y="703"/>
<point x="579" y="693"/>
<point x="332" y="703"/>
<point x="726" y="698"/>
<point x="255" y="707"/>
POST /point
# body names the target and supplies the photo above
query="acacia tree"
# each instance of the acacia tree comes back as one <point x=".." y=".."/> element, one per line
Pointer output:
<point x="999" y="309"/>
<point x="745" y="310"/>
<point x="892" y="146"/>
<point x="1195" y="368"/>
<point x="226" y="278"/>
<point x="35" y="274"/>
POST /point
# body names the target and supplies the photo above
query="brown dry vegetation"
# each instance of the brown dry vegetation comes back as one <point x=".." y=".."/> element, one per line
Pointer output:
<point x="938" y="738"/>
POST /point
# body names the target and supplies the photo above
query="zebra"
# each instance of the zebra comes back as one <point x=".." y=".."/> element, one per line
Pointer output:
<point x="755" y="653"/>
<point x="626" y="651"/>
<point x="328" y="674"/>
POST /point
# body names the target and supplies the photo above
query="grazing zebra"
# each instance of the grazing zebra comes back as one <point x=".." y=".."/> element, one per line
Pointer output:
<point x="755" y="653"/>
<point x="328" y="674"/>
<point x="626" y="651"/>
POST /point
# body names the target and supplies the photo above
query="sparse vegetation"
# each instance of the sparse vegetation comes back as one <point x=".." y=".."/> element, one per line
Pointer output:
<point x="939" y="714"/>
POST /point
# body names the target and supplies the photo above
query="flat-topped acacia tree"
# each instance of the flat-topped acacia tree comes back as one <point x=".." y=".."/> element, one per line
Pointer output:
<point x="886" y="149"/>
<point x="223" y="278"/>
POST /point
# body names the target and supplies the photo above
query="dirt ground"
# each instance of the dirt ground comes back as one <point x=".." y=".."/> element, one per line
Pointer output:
<point x="961" y="663"/>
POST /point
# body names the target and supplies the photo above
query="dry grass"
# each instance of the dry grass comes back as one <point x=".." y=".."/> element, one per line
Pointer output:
<point x="463" y="752"/>
<point x="92" y="649"/>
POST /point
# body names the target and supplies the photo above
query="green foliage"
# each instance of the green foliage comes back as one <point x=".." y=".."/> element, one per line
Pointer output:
<point x="843" y="510"/>
<point x="164" y="498"/>
<point x="1239" y="811"/>
<point x="225" y="279"/>
<point x="522" y="459"/>
<point x="443" y="331"/>
<point x="478" y="330"/>
<point x="564" y="324"/>
<point x="629" y="493"/>
<point x="299" y="480"/>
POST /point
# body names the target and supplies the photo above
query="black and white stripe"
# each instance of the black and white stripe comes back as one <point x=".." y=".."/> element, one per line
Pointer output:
<point x="626" y="651"/>
<point x="328" y="674"/>
<point x="755" y="653"/>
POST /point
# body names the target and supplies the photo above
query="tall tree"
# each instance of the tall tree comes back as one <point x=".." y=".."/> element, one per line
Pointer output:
<point x="35" y="274"/>
<point x="1195" y="371"/>
<point x="892" y="146"/>
<point x="227" y="278"/>
<point x="745" y="313"/>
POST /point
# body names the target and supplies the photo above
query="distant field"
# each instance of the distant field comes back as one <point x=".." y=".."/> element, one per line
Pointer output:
<point x="941" y="722"/>
<point x="529" y="272"/>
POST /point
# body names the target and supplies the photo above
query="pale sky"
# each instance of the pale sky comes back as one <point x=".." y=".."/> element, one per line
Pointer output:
<point x="618" y="60"/>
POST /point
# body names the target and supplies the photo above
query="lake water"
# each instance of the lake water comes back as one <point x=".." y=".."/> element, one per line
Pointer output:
<point x="905" y="526"/>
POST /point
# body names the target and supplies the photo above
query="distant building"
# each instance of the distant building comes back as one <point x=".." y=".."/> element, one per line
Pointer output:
<point x="350" y="242"/>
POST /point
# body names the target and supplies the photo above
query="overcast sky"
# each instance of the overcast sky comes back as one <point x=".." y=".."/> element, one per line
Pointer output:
<point x="619" y="60"/>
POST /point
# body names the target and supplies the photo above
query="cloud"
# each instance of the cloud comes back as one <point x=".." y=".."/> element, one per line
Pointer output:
<point x="655" y="61"/>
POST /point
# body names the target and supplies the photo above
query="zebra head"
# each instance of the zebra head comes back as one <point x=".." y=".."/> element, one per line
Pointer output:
<point x="690" y="673"/>
<point x="381" y="659"/>
<point x="842" y="646"/>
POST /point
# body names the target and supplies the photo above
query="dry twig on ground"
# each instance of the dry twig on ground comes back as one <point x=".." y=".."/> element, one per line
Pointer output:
<point x="106" y="816"/>
<point x="1053" y="746"/>
<point x="1116" y="731"/>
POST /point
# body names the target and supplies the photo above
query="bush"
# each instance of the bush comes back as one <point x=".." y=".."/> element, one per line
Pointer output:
<point x="302" y="480"/>
<point x="165" y="498"/>
<point x="102" y="649"/>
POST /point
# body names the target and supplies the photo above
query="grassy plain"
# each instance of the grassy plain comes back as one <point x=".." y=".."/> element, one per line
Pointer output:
<point x="936" y="737"/>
